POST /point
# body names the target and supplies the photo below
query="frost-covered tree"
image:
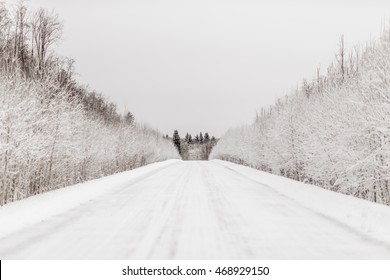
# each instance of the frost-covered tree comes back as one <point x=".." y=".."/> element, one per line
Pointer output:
<point x="129" y="118"/>
<point x="333" y="131"/>
<point x="54" y="132"/>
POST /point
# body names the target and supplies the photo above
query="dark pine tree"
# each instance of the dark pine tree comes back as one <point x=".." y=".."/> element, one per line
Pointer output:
<point x="201" y="138"/>
<point x="176" y="140"/>
<point x="189" y="139"/>
<point x="206" y="137"/>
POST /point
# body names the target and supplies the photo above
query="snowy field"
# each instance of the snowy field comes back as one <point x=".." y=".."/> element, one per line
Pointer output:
<point x="194" y="210"/>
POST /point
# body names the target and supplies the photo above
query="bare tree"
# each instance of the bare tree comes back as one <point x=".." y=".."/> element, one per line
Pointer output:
<point x="341" y="57"/>
<point x="20" y="36"/>
<point x="45" y="30"/>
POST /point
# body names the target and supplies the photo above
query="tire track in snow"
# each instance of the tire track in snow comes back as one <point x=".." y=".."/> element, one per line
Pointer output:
<point x="190" y="210"/>
<point x="38" y="233"/>
<point x="337" y="223"/>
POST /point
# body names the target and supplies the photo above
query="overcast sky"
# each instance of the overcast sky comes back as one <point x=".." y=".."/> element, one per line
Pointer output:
<point x="206" y="65"/>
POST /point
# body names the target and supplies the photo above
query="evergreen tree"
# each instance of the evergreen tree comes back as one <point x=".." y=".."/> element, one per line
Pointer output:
<point x="197" y="139"/>
<point x="201" y="138"/>
<point x="189" y="139"/>
<point x="176" y="140"/>
<point x="206" y="137"/>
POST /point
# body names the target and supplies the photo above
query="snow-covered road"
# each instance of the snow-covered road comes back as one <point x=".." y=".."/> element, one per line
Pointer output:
<point x="191" y="210"/>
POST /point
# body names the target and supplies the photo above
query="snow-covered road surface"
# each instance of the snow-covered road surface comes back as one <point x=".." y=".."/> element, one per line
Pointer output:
<point x="193" y="210"/>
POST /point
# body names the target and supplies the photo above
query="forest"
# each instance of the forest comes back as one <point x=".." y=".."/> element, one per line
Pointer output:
<point x="333" y="131"/>
<point x="197" y="148"/>
<point x="55" y="132"/>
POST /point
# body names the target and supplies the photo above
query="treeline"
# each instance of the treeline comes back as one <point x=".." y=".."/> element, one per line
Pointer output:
<point x="53" y="131"/>
<point x="333" y="131"/>
<point x="197" y="148"/>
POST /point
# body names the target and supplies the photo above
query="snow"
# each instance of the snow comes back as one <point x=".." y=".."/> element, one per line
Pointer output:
<point x="194" y="210"/>
<point x="363" y="216"/>
<point x="30" y="211"/>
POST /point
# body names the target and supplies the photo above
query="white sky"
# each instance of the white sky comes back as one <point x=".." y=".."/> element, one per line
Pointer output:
<point x="206" y="65"/>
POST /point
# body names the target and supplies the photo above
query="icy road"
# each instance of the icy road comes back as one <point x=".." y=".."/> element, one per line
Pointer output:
<point x="194" y="210"/>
